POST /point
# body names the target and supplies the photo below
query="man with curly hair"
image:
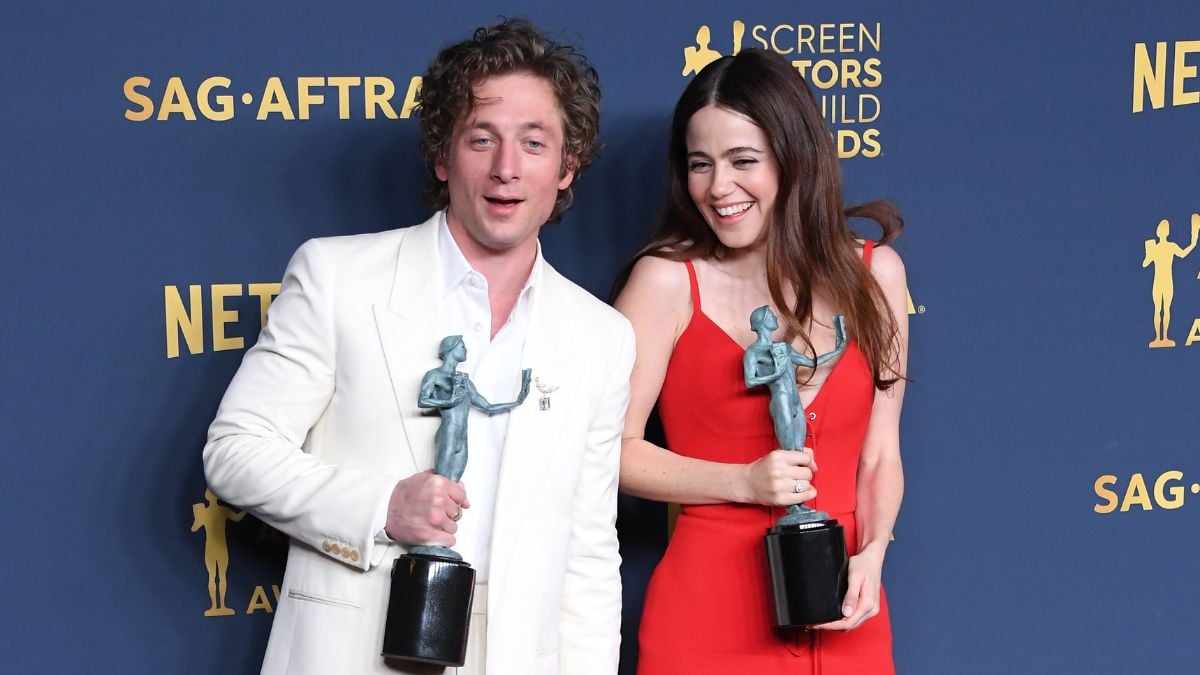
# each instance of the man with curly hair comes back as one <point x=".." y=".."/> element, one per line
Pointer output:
<point x="320" y="434"/>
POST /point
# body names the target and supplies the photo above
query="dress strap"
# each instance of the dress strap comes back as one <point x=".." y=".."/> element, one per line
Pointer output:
<point x="695" y="285"/>
<point x="868" y="246"/>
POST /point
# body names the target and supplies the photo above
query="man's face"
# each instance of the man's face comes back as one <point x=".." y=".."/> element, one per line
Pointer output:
<point x="504" y="165"/>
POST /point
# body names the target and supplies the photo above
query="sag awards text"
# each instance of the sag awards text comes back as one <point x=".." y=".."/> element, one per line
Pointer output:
<point x="215" y="99"/>
<point x="1142" y="493"/>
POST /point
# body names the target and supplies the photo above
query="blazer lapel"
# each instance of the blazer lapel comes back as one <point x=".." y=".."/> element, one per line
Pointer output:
<point x="409" y="329"/>
<point x="553" y="352"/>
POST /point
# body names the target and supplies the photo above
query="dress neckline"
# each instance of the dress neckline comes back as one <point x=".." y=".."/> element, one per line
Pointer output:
<point x="731" y="342"/>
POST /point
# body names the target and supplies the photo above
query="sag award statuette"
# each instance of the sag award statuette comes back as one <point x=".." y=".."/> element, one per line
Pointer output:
<point x="806" y="551"/>
<point x="429" y="609"/>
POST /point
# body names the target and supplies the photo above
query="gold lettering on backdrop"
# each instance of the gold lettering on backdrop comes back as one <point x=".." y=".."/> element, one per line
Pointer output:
<point x="1168" y="492"/>
<point x="775" y="39"/>
<point x="175" y="100"/>
<point x="305" y="98"/>
<point x="1162" y="254"/>
<point x="1150" y="76"/>
<point x="377" y="93"/>
<point x="1193" y="334"/>
<point x="851" y="143"/>
<point x="410" y="98"/>
<point x="845" y="73"/>
<point x="343" y="85"/>
<point x="260" y="601"/>
<point x="850" y="71"/>
<point x="189" y="321"/>
<point x="837" y="109"/>
<point x="145" y="105"/>
<point x="1147" y="78"/>
<point x="824" y="38"/>
<point x="831" y="57"/>
<point x="215" y="100"/>
<point x="213" y="518"/>
<point x="1103" y="489"/>
<point x="204" y="100"/>
<point x="222" y="316"/>
<point x="1176" y="491"/>
<point x="830" y="77"/>
<point x="266" y="294"/>
<point x="1136" y="494"/>
<point x="1184" y="72"/>
<point x="275" y="100"/>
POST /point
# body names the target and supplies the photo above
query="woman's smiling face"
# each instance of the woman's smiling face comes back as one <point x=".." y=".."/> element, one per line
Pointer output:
<point x="732" y="175"/>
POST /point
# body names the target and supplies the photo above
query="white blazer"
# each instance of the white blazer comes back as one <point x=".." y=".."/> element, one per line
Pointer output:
<point x="321" y="420"/>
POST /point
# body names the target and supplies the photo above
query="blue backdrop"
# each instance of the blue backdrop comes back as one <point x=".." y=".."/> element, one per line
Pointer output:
<point x="161" y="161"/>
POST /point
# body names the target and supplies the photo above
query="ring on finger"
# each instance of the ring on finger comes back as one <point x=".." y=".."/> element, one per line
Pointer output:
<point x="457" y="515"/>
<point x="801" y="485"/>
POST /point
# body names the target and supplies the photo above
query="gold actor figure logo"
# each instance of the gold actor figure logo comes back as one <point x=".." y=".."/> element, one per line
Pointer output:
<point x="1163" y="254"/>
<point x="213" y="518"/>
<point x="700" y="55"/>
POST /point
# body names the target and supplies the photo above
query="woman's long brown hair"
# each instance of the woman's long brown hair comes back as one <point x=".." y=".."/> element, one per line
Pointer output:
<point x="809" y="244"/>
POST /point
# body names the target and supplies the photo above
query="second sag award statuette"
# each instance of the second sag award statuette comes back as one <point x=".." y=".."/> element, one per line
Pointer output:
<point x="429" y="610"/>
<point x="806" y="551"/>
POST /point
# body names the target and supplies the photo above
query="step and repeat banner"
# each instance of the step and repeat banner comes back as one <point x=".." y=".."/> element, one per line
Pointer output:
<point x="161" y="162"/>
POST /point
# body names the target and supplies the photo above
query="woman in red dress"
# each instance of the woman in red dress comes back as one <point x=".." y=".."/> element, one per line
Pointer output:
<point x="754" y="216"/>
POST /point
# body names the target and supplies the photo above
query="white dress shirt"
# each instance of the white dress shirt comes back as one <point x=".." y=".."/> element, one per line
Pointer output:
<point x="494" y="364"/>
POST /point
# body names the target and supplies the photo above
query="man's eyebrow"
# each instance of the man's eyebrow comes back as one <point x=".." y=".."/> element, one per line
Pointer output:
<point x="536" y="125"/>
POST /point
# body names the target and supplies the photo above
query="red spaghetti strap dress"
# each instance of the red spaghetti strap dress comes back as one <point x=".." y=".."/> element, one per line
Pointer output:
<point x="707" y="609"/>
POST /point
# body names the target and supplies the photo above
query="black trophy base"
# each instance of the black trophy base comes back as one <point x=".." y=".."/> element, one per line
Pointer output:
<point x="429" y="610"/>
<point x="808" y="572"/>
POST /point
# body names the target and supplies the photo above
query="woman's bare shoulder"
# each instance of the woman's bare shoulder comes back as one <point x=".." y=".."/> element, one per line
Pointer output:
<point x="887" y="267"/>
<point x="660" y="274"/>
